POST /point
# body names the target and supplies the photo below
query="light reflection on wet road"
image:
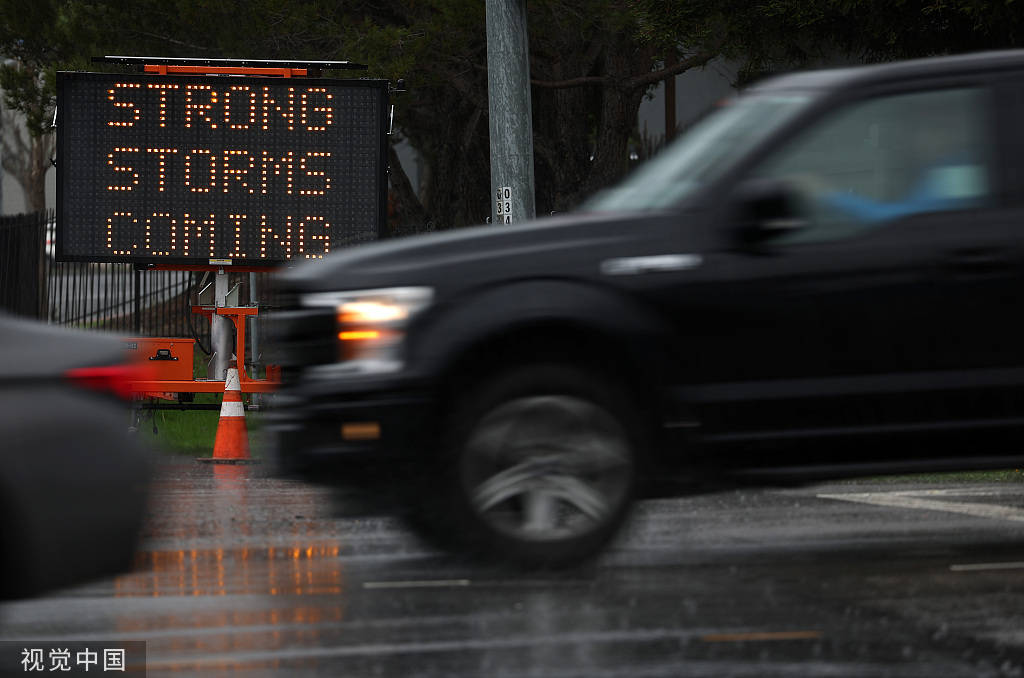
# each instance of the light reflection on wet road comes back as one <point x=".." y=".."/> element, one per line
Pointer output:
<point x="243" y="575"/>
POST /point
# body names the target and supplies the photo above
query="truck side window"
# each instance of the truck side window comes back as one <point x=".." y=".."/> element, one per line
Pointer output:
<point x="886" y="158"/>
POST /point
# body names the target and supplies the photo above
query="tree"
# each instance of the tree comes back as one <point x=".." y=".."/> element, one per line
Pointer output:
<point x="880" y="30"/>
<point x="36" y="38"/>
<point x="592" y="66"/>
<point x="27" y="158"/>
<point x="592" y="61"/>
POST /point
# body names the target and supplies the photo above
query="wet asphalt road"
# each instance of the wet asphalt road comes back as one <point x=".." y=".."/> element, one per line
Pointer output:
<point x="243" y="575"/>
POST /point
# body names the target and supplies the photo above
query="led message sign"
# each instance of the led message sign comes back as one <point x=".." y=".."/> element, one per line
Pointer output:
<point x="217" y="169"/>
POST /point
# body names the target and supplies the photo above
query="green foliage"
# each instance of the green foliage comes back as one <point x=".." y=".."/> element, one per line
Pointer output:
<point x="877" y="31"/>
<point x="30" y="92"/>
<point x="592" y="62"/>
<point x="192" y="433"/>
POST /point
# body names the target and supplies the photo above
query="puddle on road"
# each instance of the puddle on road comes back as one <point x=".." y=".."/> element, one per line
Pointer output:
<point x="230" y="515"/>
<point x="311" y="569"/>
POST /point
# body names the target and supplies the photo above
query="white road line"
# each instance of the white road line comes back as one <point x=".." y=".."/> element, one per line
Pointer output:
<point x="917" y="499"/>
<point x="947" y="491"/>
<point x="980" y="567"/>
<point x="417" y="584"/>
<point x="231" y="660"/>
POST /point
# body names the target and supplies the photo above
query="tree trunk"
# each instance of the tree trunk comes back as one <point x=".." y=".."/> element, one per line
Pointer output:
<point x="457" y="190"/>
<point x="409" y="214"/>
<point x="616" y="121"/>
<point x="35" y="187"/>
<point x="28" y="160"/>
<point x="563" y="136"/>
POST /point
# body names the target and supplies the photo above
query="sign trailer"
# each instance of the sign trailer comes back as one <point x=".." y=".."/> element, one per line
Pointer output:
<point x="199" y="164"/>
<point x="194" y="169"/>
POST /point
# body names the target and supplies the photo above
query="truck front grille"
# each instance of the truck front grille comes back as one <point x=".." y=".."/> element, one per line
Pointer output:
<point x="301" y="337"/>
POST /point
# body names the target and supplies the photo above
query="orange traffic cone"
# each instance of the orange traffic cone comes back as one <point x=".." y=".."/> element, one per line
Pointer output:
<point x="232" y="443"/>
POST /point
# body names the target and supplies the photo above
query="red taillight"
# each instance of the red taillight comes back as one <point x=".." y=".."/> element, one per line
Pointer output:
<point x="116" y="379"/>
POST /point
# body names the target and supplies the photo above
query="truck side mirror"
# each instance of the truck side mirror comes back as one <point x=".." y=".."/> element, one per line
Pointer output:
<point x="767" y="209"/>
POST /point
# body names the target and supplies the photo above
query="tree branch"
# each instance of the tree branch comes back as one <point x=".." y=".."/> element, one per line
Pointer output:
<point x="409" y="208"/>
<point x="467" y="136"/>
<point x="572" y="82"/>
<point x="698" y="59"/>
<point x="693" y="61"/>
<point x="554" y="84"/>
<point x="169" y="39"/>
<point x="15" y="148"/>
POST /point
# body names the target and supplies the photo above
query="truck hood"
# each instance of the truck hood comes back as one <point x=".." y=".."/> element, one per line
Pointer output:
<point x="572" y="245"/>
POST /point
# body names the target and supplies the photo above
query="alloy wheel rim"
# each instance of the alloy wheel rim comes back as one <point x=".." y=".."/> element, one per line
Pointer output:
<point x="547" y="468"/>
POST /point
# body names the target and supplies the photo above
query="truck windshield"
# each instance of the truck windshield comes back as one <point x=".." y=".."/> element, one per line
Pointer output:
<point x="701" y="154"/>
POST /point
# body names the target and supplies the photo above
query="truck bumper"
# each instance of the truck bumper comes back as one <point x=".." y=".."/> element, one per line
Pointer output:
<point x="349" y="438"/>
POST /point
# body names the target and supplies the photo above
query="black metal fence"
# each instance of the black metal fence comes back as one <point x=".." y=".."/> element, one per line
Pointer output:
<point x="118" y="298"/>
<point x="112" y="297"/>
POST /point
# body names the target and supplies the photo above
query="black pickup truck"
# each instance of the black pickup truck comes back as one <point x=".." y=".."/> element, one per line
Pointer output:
<point x="823" y="278"/>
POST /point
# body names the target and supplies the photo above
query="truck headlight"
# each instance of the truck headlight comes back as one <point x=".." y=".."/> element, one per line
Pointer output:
<point x="371" y="324"/>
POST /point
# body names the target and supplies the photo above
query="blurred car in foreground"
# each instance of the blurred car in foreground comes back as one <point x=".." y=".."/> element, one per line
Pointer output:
<point x="824" y="278"/>
<point x="72" y="482"/>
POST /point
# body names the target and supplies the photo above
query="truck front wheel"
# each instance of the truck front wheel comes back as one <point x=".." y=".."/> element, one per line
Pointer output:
<point x="540" y="465"/>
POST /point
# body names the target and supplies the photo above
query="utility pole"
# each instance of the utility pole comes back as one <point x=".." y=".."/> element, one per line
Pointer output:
<point x="511" y="119"/>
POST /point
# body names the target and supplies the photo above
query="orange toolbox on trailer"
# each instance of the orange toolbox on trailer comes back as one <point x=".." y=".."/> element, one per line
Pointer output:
<point x="168" y="359"/>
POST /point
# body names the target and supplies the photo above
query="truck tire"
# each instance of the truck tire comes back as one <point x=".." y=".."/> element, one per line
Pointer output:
<point x="539" y="465"/>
